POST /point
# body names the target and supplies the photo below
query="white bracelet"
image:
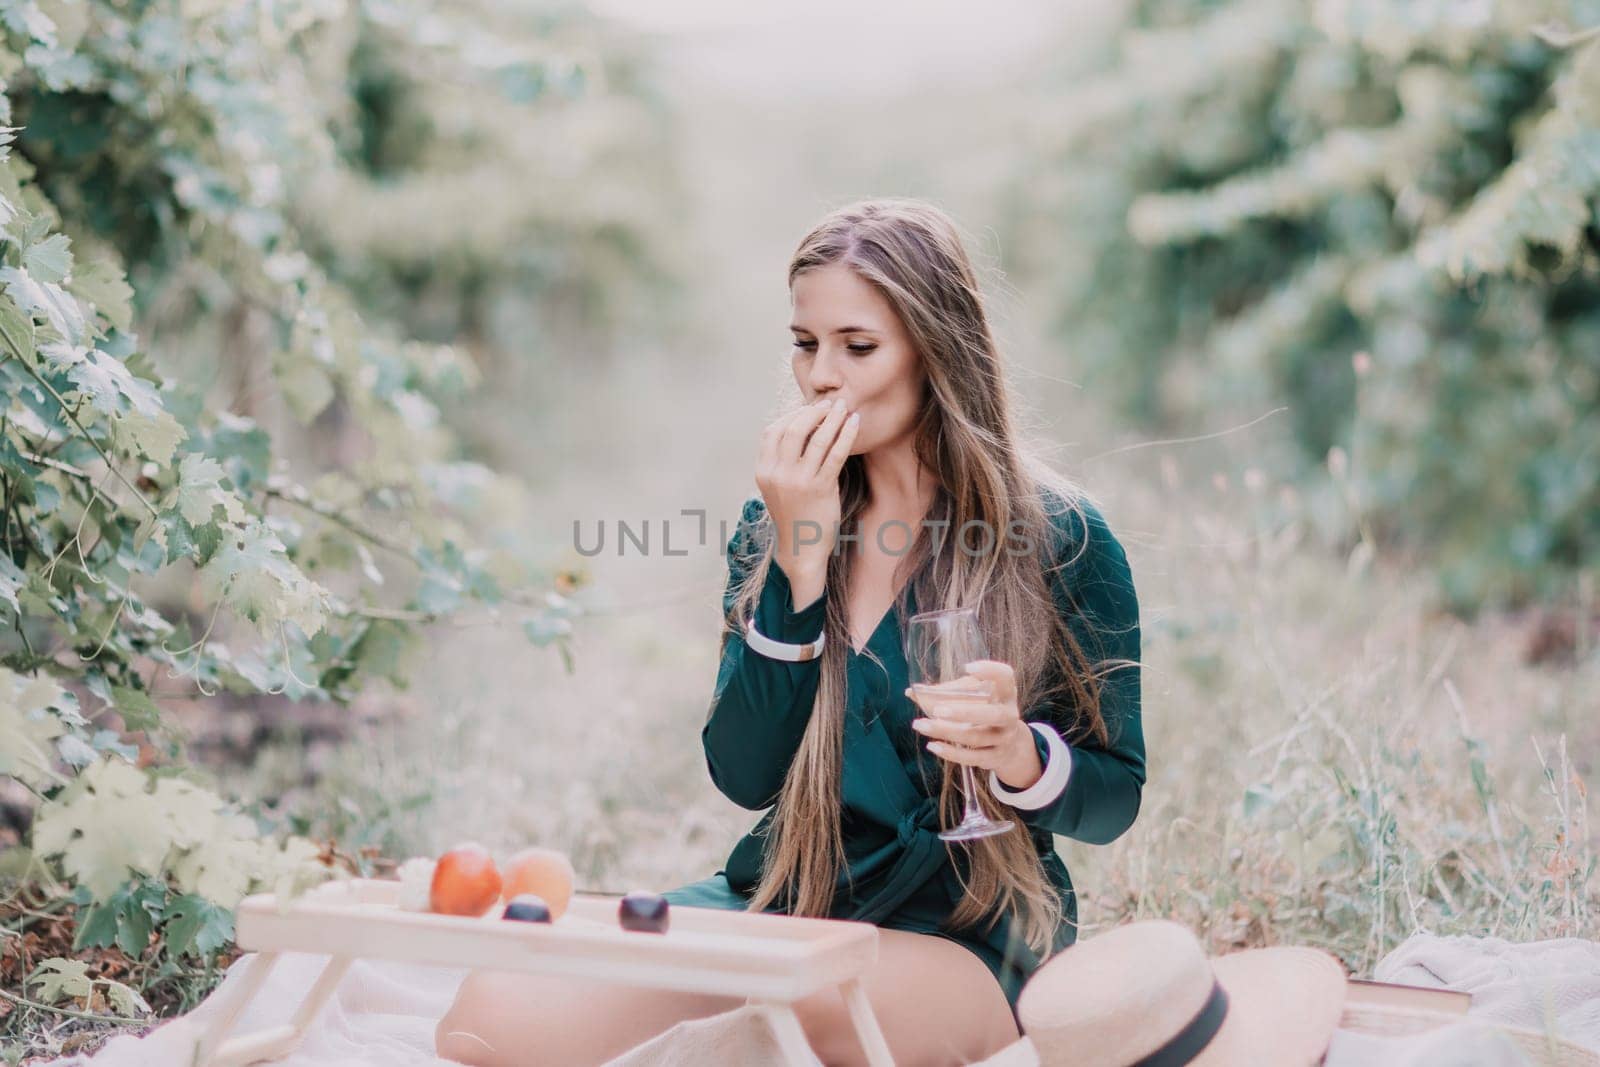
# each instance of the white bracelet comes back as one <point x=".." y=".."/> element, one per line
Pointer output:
<point x="780" y="649"/>
<point x="1050" y="784"/>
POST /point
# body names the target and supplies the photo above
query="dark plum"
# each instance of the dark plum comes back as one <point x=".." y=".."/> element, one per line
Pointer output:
<point x="525" y="907"/>
<point x="645" y="912"/>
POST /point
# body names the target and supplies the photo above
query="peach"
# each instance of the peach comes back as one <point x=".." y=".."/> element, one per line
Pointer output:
<point x="544" y="872"/>
<point x="465" y="882"/>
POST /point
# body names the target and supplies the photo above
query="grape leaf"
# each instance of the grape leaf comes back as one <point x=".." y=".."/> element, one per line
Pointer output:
<point x="111" y="741"/>
<point x="124" y="998"/>
<point x="58" y="979"/>
<point x="289" y="870"/>
<point x="244" y="448"/>
<point x="221" y="866"/>
<point x="126" y="919"/>
<point x="104" y="825"/>
<point x="192" y="811"/>
<point x="199" y="491"/>
<point x="193" y="924"/>
<point x="17" y="327"/>
<point x="155" y="437"/>
<point x="105" y="380"/>
<point x="55" y="304"/>
<point x="138" y="711"/>
<point x="103" y="287"/>
<point x="50" y="259"/>
<point x="252" y="574"/>
<point x="27" y="727"/>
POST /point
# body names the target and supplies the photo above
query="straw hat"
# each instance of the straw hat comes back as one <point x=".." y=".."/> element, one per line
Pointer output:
<point x="1542" y="1050"/>
<point x="1145" y="994"/>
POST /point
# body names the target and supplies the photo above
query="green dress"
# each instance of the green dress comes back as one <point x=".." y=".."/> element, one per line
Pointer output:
<point x="901" y="876"/>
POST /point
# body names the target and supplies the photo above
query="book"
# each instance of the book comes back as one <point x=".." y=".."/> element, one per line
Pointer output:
<point x="1395" y="995"/>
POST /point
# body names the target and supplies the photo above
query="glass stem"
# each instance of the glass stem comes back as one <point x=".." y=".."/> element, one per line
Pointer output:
<point x="973" y="813"/>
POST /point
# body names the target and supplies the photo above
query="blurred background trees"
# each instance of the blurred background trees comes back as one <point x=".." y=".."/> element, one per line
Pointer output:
<point x="1378" y="214"/>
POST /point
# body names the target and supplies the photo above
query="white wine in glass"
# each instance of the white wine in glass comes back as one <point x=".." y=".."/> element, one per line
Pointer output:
<point x="939" y="645"/>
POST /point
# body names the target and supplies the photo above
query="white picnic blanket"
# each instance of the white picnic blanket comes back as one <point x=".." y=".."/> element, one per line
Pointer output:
<point x="383" y="1014"/>
<point x="1533" y="985"/>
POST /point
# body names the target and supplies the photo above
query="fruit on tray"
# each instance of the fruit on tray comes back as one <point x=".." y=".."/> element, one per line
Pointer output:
<point x="528" y="908"/>
<point x="643" y="911"/>
<point x="544" y="872"/>
<point x="465" y="882"/>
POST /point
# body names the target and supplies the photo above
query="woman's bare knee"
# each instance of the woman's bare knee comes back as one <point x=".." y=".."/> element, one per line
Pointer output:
<point x="460" y="1033"/>
<point x="453" y="1042"/>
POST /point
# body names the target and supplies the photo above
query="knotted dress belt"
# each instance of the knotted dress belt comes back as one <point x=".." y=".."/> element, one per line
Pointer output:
<point x="921" y="853"/>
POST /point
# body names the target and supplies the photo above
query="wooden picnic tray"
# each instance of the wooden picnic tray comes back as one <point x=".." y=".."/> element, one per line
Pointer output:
<point x="767" y="958"/>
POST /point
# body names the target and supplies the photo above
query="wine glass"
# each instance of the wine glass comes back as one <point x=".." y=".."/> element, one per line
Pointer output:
<point x="939" y="645"/>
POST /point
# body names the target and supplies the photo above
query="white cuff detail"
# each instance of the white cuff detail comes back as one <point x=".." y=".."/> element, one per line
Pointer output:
<point x="765" y="645"/>
<point x="1057" y="768"/>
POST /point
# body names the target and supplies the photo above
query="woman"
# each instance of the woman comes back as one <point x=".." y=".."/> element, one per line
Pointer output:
<point x="899" y="486"/>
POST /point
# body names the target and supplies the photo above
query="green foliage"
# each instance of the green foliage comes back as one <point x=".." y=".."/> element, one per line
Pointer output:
<point x="192" y="924"/>
<point x="470" y="199"/>
<point x="289" y="540"/>
<point x="1247" y="195"/>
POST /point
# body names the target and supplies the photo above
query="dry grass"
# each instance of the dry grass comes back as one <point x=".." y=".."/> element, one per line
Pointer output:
<point x="1333" y="764"/>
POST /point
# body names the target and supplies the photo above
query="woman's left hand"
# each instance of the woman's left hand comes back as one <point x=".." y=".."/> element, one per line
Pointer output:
<point x="989" y="735"/>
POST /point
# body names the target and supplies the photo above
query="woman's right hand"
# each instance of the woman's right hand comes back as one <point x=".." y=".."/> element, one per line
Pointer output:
<point x="798" y="475"/>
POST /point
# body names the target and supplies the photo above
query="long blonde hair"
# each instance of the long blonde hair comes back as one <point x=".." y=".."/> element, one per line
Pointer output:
<point x="913" y="254"/>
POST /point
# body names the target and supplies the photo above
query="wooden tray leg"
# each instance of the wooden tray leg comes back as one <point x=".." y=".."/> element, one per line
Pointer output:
<point x="326" y="983"/>
<point x="790" y="1034"/>
<point x="275" y="1041"/>
<point x="867" y="1029"/>
<point x="228" y="1011"/>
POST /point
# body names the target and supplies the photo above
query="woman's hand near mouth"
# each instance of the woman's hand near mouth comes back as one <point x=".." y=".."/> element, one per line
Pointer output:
<point x="797" y="472"/>
<point x="826" y="404"/>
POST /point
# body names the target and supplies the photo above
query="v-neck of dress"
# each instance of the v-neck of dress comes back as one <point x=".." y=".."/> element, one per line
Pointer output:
<point x="873" y="636"/>
<point x="894" y="605"/>
<point x="894" y="602"/>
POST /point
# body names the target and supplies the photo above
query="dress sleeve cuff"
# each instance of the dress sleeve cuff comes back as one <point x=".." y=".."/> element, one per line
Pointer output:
<point x="775" y="614"/>
<point x="1057" y="757"/>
